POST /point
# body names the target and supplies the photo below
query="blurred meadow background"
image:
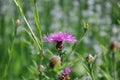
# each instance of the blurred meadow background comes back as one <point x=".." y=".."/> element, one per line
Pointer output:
<point x="19" y="53"/>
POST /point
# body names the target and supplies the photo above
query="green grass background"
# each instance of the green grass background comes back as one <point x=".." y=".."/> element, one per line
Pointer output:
<point x="19" y="52"/>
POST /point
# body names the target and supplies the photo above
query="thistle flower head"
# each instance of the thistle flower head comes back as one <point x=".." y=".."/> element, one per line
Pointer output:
<point x="65" y="75"/>
<point x="60" y="37"/>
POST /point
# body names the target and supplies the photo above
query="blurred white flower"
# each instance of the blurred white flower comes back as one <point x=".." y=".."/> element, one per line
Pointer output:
<point x="20" y="29"/>
<point x="119" y="37"/>
<point x="75" y="3"/>
<point x="91" y="20"/>
<point x="85" y="78"/>
<point x="108" y="5"/>
<point x="97" y="49"/>
<point x="87" y="40"/>
<point x="54" y="25"/>
<point x="57" y="13"/>
<point x="115" y="29"/>
<point x="108" y="19"/>
<point x="90" y="2"/>
<point x="73" y="16"/>
<point x="113" y="38"/>
<point x="87" y="13"/>
<point x="98" y="7"/>
<point x="103" y="33"/>
<point x="99" y="61"/>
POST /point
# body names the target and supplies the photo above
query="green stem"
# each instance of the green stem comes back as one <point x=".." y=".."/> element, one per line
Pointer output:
<point x="114" y="66"/>
<point x="60" y="53"/>
<point x="80" y="39"/>
<point x="10" y="53"/>
<point x="23" y="16"/>
<point x="36" y="18"/>
<point x="40" y="76"/>
<point x="90" y="71"/>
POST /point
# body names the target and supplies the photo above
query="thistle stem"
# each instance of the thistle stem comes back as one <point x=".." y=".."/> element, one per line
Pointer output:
<point x="114" y="66"/>
<point x="91" y="71"/>
<point x="75" y="44"/>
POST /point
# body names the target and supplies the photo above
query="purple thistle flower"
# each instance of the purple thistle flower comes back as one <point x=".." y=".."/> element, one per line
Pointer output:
<point x="60" y="37"/>
<point x="67" y="70"/>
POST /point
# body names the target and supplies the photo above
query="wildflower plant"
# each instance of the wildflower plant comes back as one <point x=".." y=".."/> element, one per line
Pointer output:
<point x="56" y="62"/>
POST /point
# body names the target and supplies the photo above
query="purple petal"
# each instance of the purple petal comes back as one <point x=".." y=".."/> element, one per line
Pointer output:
<point x="60" y="36"/>
<point x="67" y="70"/>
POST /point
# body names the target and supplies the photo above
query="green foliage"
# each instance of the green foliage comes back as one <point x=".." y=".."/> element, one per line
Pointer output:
<point x="23" y="50"/>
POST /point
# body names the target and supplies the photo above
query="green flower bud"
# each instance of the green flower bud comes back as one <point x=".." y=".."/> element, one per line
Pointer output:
<point x="86" y="26"/>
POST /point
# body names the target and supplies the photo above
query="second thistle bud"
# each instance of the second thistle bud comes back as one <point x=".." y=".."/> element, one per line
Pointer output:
<point x="55" y="60"/>
<point x="115" y="46"/>
<point x="65" y="74"/>
<point x="89" y="58"/>
<point x="41" y="68"/>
